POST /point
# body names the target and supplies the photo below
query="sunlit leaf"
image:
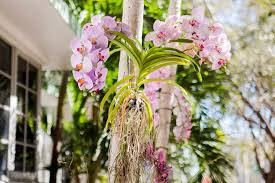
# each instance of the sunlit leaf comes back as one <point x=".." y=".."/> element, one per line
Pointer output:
<point x="113" y="89"/>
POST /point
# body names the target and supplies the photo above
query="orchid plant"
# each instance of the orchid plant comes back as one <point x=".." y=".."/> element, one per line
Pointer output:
<point x="187" y="40"/>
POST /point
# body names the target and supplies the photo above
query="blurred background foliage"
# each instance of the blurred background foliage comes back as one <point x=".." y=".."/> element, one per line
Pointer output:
<point x="228" y="102"/>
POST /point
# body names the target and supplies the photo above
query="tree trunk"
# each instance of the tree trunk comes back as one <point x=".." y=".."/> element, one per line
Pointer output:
<point x="95" y="169"/>
<point x="58" y="127"/>
<point x="166" y="94"/>
<point x="271" y="175"/>
<point x="133" y="16"/>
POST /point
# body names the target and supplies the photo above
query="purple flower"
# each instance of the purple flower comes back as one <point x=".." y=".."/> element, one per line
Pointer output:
<point x="178" y="132"/>
<point x="83" y="80"/>
<point x="160" y="155"/>
<point x="156" y="119"/>
<point x="95" y="34"/>
<point x="161" y="35"/>
<point x="158" y="158"/>
<point x="164" y="31"/>
<point x="217" y="50"/>
<point x="218" y="63"/>
<point x="163" y="170"/>
<point x="209" y="38"/>
<point x="153" y="97"/>
<point x="91" y="51"/>
<point x="80" y="47"/>
<point x="215" y="29"/>
<point x="98" y="76"/>
<point x="99" y="55"/>
<point x="107" y="23"/>
<point x="182" y="111"/>
<point x="124" y="29"/>
<point x="81" y="63"/>
<point x="163" y="73"/>
<point x="96" y="20"/>
<point x="195" y="21"/>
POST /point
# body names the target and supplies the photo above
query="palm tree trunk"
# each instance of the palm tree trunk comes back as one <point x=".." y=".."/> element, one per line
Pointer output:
<point x="58" y="127"/>
<point x="166" y="94"/>
<point x="133" y="16"/>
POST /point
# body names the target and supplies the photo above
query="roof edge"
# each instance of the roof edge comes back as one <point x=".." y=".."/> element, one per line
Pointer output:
<point x="64" y="11"/>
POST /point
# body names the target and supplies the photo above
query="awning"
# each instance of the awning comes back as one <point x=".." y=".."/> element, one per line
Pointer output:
<point x="41" y="30"/>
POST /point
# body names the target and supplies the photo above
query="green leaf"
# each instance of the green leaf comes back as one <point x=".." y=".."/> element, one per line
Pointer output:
<point x="131" y="43"/>
<point x="152" y="51"/>
<point x="112" y="89"/>
<point x="199" y="76"/>
<point x="138" y="43"/>
<point x="160" y="60"/>
<point x="149" y="70"/>
<point x="113" y="114"/>
<point x="129" y="52"/>
<point x="149" y="111"/>
<point x="182" y="41"/>
<point x="114" y="51"/>
<point x="156" y="56"/>
<point x="155" y="53"/>
<point x="118" y="94"/>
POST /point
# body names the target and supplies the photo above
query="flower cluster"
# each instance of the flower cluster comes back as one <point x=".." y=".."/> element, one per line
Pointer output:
<point x="157" y="157"/>
<point x="182" y="111"/>
<point x="210" y="42"/>
<point x="90" y="51"/>
<point x="181" y="107"/>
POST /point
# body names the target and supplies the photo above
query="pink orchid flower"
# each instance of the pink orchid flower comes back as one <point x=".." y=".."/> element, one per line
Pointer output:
<point x="195" y="21"/>
<point x="215" y="29"/>
<point x="81" y="63"/>
<point x="98" y="76"/>
<point x="156" y="119"/>
<point x="95" y="34"/>
<point x="178" y="132"/>
<point x="153" y="97"/>
<point x="83" y="80"/>
<point x="107" y="23"/>
<point x="99" y="55"/>
<point x="124" y="29"/>
<point x="80" y="47"/>
<point x="162" y="33"/>
<point x="96" y="20"/>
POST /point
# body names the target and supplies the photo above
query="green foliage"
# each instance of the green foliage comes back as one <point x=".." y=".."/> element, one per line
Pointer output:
<point x="203" y="150"/>
<point x="80" y="150"/>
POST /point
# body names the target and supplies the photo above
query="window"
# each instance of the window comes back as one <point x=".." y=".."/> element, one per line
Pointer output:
<point x="18" y="77"/>
<point x="5" y="57"/>
<point x="26" y="84"/>
<point x="5" y="92"/>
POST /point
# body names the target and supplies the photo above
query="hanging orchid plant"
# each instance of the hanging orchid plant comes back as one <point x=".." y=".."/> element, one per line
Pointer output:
<point x="133" y="113"/>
